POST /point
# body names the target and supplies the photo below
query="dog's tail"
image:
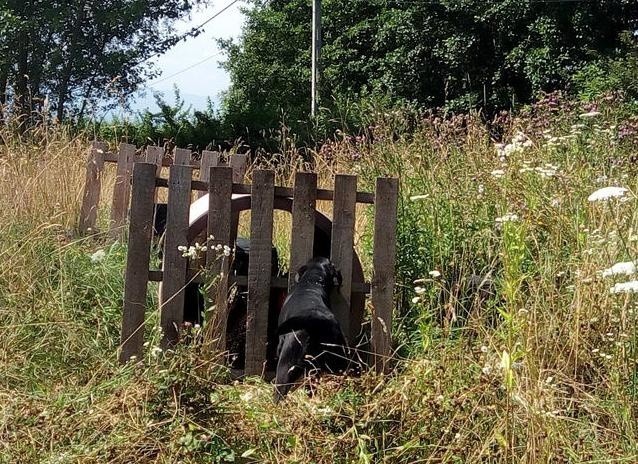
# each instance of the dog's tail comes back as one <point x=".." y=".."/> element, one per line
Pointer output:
<point x="293" y="347"/>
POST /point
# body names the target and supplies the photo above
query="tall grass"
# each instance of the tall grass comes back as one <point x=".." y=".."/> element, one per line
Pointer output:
<point x="539" y="365"/>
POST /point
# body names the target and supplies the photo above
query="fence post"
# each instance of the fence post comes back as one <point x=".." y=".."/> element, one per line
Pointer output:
<point x="220" y="190"/>
<point x="304" y="201"/>
<point x="383" y="263"/>
<point x="209" y="159"/>
<point x="259" y="269"/>
<point x="122" y="189"/>
<point x="174" y="264"/>
<point x="342" y="243"/>
<point x="92" y="187"/>
<point x="137" y="261"/>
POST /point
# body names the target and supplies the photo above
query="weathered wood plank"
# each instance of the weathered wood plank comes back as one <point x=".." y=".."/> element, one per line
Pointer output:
<point x="155" y="155"/>
<point x="174" y="264"/>
<point x="342" y="243"/>
<point x="137" y="262"/>
<point x="122" y="189"/>
<point x="92" y="187"/>
<point x="238" y="164"/>
<point x="285" y="192"/>
<point x="183" y="156"/>
<point x="259" y="270"/>
<point x="209" y="159"/>
<point x="303" y="222"/>
<point x="383" y="263"/>
<point x="219" y="217"/>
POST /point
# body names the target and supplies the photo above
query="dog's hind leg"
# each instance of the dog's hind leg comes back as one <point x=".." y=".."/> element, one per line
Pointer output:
<point x="292" y="349"/>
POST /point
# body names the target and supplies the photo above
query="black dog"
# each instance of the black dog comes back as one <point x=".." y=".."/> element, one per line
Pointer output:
<point x="310" y="337"/>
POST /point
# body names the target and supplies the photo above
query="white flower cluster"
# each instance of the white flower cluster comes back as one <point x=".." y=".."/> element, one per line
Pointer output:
<point x="507" y="217"/>
<point x="518" y="144"/>
<point x="193" y="251"/>
<point x="607" y="193"/>
<point x="98" y="256"/>
<point x="623" y="268"/>
<point x="546" y="171"/>
<point x="420" y="291"/>
<point x="625" y="287"/>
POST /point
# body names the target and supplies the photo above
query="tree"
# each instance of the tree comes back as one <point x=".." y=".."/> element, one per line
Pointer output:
<point x="459" y="54"/>
<point x="81" y="52"/>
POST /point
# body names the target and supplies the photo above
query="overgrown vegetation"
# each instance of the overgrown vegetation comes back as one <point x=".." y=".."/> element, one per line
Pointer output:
<point x="541" y="367"/>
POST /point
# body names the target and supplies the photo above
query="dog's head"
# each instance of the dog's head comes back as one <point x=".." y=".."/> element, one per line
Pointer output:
<point x="322" y="267"/>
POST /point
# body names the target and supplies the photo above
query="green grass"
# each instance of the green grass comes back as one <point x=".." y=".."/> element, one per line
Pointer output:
<point x="544" y="370"/>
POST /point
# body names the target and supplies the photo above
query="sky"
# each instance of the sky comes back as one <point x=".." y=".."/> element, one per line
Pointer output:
<point x="203" y="80"/>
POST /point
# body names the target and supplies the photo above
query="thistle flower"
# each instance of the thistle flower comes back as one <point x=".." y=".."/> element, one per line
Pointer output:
<point x="607" y="193"/>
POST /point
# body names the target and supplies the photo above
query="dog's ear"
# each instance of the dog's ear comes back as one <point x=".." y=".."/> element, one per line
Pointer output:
<point x="300" y="272"/>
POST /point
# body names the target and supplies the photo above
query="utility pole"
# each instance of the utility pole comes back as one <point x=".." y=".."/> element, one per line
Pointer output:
<point x="316" y="54"/>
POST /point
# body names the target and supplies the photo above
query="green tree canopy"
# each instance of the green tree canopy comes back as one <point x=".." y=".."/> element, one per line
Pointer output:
<point x="454" y="53"/>
<point x="77" y="52"/>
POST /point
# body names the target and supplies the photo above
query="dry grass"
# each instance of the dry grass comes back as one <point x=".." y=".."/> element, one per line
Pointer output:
<point x="545" y="370"/>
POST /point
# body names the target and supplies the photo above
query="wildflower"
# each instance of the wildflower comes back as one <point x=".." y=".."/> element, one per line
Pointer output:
<point x="156" y="351"/>
<point x="227" y="250"/>
<point x="606" y="193"/>
<point x="481" y="189"/>
<point x="625" y="287"/>
<point x="484" y="349"/>
<point x="498" y="173"/>
<point x="487" y="370"/>
<point x="434" y="274"/>
<point x="416" y="299"/>
<point x="98" y="256"/>
<point x="590" y="114"/>
<point x="419" y="197"/>
<point x="508" y="217"/>
<point x="419" y="290"/>
<point x="624" y="268"/>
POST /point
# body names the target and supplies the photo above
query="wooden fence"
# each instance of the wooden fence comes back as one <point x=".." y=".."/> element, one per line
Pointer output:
<point x="125" y="159"/>
<point x="264" y="198"/>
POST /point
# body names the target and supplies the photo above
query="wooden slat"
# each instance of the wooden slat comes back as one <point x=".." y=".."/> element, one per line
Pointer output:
<point x="174" y="264"/>
<point x="137" y="261"/>
<point x="342" y="243"/>
<point x="303" y="222"/>
<point x="209" y="159"/>
<point x="383" y="263"/>
<point x="259" y="270"/>
<point x="183" y="156"/>
<point x="92" y="187"/>
<point x="155" y="155"/>
<point x="284" y="192"/>
<point x="219" y="217"/>
<point x="156" y="275"/>
<point x="238" y="163"/>
<point x="122" y="189"/>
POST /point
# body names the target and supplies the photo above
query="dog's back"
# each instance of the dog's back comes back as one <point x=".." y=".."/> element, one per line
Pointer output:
<point x="310" y="336"/>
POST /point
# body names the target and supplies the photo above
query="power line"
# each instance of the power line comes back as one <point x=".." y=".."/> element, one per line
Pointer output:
<point x="188" y="68"/>
<point x="192" y="31"/>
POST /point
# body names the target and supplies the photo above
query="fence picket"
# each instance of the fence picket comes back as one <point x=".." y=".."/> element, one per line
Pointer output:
<point x="219" y="213"/>
<point x="383" y="262"/>
<point x="174" y="264"/>
<point x="137" y="262"/>
<point x="259" y="269"/>
<point x="92" y="187"/>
